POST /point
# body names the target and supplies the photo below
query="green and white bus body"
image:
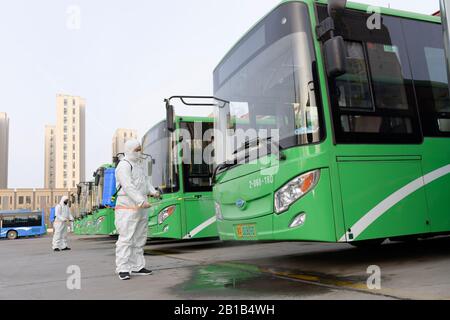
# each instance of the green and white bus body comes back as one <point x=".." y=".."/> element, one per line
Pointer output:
<point x="104" y="222"/>
<point x="84" y="227"/>
<point x="90" y="219"/>
<point x="90" y="225"/>
<point x="95" y="216"/>
<point x="76" y="226"/>
<point x="82" y="201"/>
<point x="103" y="213"/>
<point x="186" y="210"/>
<point x="86" y="204"/>
<point x="363" y="156"/>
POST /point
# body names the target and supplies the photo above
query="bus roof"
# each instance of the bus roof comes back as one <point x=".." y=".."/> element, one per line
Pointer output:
<point x="16" y="212"/>
<point x="350" y="5"/>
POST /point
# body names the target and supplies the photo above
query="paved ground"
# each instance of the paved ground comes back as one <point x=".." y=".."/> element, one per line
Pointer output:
<point x="215" y="270"/>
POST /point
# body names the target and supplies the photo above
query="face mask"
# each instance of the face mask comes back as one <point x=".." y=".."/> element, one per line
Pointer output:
<point x="135" y="156"/>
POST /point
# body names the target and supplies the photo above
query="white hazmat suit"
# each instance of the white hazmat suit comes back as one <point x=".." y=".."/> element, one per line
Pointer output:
<point x="131" y="219"/>
<point x="62" y="216"/>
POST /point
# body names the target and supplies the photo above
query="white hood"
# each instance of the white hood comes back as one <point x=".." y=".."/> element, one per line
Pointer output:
<point x="130" y="146"/>
<point x="63" y="199"/>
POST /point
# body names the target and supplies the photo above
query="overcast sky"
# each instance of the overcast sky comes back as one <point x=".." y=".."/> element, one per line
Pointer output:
<point x="125" y="58"/>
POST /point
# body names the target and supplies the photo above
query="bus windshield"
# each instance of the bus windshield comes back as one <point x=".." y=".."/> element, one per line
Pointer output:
<point x="158" y="144"/>
<point x="269" y="80"/>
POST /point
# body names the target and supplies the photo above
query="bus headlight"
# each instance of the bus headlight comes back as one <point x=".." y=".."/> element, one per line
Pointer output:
<point x="295" y="189"/>
<point x="166" y="213"/>
<point x="219" y="215"/>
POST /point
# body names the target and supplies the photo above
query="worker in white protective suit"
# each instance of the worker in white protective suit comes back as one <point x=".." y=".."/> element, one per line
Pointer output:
<point x="131" y="213"/>
<point x="62" y="217"/>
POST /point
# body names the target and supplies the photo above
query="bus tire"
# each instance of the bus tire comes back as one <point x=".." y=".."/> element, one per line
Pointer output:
<point x="368" y="244"/>
<point x="12" y="235"/>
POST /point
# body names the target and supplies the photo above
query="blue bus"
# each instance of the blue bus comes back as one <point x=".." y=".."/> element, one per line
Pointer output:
<point x="21" y="223"/>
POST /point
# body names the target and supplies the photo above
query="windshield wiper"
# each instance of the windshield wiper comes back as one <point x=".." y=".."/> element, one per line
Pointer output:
<point x="256" y="142"/>
<point x="225" y="166"/>
<point x="246" y="146"/>
<point x="220" y="167"/>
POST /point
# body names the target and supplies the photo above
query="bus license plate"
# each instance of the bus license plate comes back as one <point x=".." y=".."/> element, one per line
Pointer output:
<point x="246" y="231"/>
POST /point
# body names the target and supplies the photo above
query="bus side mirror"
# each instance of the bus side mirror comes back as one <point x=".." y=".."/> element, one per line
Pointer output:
<point x="170" y="115"/>
<point x="335" y="57"/>
<point x="97" y="178"/>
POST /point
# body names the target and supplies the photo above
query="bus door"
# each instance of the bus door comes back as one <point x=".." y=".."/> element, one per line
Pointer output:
<point x="199" y="216"/>
<point x="382" y="196"/>
<point x="377" y="132"/>
<point x="427" y="56"/>
<point x="199" y="211"/>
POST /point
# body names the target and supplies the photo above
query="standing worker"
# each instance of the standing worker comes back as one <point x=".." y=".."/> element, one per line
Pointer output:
<point x="62" y="216"/>
<point x="131" y="216"/>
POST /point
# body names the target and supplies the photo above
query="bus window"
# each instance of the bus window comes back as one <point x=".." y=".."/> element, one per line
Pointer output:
<point x="426" y="52"/>
<point x="387" y="78"/>
<point x="159" y="144"/>
<point x="8" y="222"/>
<point x="369" y="124"/>
<point x="196" y="175"/>
<point x="353" y="87"/>
<point x="374" y="102"/>
<point x="34" y="220"/>
<point x="21" y="221"/>
<point x="444" y="125"/>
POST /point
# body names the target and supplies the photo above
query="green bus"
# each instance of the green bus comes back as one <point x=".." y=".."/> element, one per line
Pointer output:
<point x="186" y="210"/>
<point x="84" y="220"/>
<point x="95" y="209"/>
<point x="103" y="210"/>
<point x="81" y="209"/>
<point x="357" y="104"/>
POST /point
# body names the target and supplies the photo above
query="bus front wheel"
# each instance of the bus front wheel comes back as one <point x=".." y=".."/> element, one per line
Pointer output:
<point x="12" y="235"/>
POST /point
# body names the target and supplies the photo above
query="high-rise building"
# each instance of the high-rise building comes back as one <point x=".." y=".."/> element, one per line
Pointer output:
<point x="70" y="141"/>
<point x="50" y="157"/>
<point x="121" y="136"/>
<point x="4" y="149"/>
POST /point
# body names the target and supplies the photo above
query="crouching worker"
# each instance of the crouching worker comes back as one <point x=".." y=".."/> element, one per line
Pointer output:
<point x="131" y="215"/>
<point x="62" y="217"/>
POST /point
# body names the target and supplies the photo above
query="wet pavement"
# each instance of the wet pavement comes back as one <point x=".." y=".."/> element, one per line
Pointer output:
<point x="211" y="269"/>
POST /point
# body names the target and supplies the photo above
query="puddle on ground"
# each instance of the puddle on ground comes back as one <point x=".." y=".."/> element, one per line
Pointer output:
<point x="222" y="280"/>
